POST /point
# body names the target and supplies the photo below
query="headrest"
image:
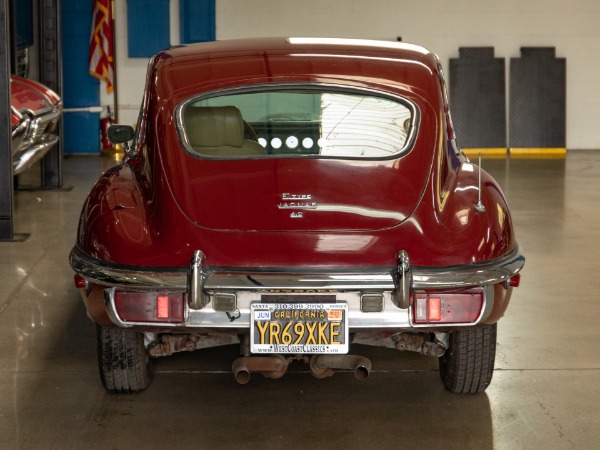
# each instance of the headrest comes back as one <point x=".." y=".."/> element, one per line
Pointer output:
<point x="214" y="126"/>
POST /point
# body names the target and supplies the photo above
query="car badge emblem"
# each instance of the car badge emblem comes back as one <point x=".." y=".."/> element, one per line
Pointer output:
<point x="296" y="202"/>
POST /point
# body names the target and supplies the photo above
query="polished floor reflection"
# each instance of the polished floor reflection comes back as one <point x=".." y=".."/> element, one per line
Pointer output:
<point x="545" y="392"/>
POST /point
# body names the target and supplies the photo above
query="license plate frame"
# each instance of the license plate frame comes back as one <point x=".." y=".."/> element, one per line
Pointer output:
<point x="324" y="328"/>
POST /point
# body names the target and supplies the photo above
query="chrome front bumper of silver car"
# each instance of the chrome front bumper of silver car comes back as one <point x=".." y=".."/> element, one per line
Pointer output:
<point x="28" y="156"/>
<point x="204" y="286"/>
<point x="33" y="137"/>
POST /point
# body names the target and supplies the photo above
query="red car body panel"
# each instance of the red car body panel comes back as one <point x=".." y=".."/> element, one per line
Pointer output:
<point x="164" y="203"/>
<point x="31" y="96"/>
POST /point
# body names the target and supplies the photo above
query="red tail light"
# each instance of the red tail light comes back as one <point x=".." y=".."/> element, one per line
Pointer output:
<point x="149" y="306"/>
<point x="80" y="282"/>
<point x="515" y="280"/>
<point x="441" y="308"/>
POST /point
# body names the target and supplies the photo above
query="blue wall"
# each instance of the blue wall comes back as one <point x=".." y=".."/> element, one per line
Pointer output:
<point x="24" y="22"/>
<point x="147" y="27"/>
<point x="80" y="89"/>
<point x="197" y="20"/>
<point x="148" y="24"/>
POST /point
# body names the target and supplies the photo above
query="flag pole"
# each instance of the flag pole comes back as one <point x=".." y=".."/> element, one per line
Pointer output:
<point x="114" y="52"/>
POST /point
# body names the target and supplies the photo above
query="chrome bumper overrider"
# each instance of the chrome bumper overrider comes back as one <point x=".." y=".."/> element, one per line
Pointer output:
<point x="201" y="283"/>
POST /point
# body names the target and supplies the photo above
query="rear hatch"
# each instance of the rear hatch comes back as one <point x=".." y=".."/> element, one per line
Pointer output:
<point x="308" y="195"/>
<point x="331" y="162"/>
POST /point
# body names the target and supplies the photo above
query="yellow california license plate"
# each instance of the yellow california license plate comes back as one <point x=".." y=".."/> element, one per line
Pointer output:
<point x="299" y="328"/>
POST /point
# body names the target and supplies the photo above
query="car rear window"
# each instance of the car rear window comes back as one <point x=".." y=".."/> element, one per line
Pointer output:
<point x="295" y="122"/>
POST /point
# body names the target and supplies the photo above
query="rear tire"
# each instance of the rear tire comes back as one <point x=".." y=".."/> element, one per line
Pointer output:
<point x="468" y="364"/>
<point x="125" y="367"/>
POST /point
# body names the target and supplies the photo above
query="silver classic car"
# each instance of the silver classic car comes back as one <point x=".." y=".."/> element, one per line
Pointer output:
<point x="35" y="110"/>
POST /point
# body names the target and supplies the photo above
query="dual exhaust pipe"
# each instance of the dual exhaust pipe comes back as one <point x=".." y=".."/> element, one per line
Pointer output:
<point x="321" y="366"/>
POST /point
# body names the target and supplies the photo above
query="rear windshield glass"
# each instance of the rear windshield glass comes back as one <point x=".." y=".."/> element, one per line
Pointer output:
<point x="297" y="122"/>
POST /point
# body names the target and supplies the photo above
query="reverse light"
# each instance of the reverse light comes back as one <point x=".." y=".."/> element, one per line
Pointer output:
<point x="371" y="303"/>
<point x="225" y="302"/>
<point x="441" y="308"/>
<point x="149" y="306"/>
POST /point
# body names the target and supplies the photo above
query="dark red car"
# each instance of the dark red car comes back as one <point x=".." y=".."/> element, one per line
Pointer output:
<point x="295" y="196"/>
<point x="35" y="111"/>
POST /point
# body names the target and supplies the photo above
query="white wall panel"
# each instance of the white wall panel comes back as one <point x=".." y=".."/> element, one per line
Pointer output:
<point x="440" y="25"/>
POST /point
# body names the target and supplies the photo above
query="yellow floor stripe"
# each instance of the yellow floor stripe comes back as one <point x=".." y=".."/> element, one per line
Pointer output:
<point x="485" y="152"/>
<point x="559" y="153"/>
<point x="542" y="153"/>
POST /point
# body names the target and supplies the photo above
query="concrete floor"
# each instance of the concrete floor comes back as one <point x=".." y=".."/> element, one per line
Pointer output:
<point x="545" y="392"/>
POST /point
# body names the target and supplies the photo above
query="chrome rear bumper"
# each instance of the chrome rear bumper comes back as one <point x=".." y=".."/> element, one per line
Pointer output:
<point x="461" y="276"/>
<point x="201" y="284"/>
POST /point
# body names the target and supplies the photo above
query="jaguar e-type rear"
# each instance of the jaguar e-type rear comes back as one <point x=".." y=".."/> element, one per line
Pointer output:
<point x="295" y="197"/>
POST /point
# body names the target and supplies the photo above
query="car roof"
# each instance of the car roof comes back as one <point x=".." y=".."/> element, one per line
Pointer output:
<point x="258" y="60"/>
<point x="275" y="45"/>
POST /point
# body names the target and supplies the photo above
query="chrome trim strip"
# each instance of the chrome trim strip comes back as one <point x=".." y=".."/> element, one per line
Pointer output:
<point x="21" y="127"/>
<point x="307" y="86"/>
<point x="478" y="274"/>
<point x="459" y="276"/>
<point x="101" y="272"/>
<point x="19" y="133"/>
<point x="53" y="111"/>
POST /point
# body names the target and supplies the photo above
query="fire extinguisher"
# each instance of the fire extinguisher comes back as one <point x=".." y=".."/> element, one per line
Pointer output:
<point x="106" y="122"/>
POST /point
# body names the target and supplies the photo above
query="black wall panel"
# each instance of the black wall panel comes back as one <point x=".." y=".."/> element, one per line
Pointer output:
<point x="50" y="74"/>
<point x="537" y="99"/>
<point x="6" y="176"/>
<point x="478" y="98"/>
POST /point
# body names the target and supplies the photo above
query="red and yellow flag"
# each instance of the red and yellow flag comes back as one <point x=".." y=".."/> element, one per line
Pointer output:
<point x="101" y="43"/>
